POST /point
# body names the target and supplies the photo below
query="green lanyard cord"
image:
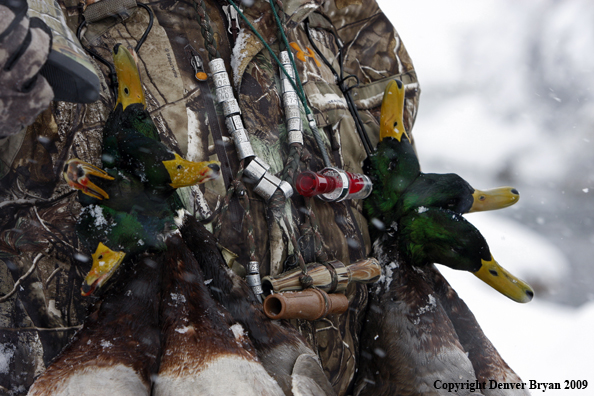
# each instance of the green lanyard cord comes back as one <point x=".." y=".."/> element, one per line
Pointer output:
<point x="253" y="29"/>
<point x="299" y="90"/>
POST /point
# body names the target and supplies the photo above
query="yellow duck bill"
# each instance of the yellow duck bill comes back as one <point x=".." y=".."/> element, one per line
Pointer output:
<point x="497" y="198"/>
<point x="505" y="283"/>
<point x="392" y="113"/>
<point x="105" y="264"/>
<point x="129" y="84"/>
<point x="185" y="173"/>
<point x="77" y="172"/>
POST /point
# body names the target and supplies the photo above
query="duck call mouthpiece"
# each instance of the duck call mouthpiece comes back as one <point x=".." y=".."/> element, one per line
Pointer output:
<point x="333" y="185"/>
<point x="309" y="304"/>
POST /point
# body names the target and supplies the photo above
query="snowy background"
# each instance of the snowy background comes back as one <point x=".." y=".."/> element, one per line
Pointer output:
<point x="507" y="89"/>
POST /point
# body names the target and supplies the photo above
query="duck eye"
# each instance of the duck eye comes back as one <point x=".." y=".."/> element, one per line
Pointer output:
<point x="395" y="124"/>
<point x="100" y="257"/>
<point x="482" y="198"/>
<point x="179" y="167"/>
<point x="126" y="91"/>
<point x="493" y="272"/>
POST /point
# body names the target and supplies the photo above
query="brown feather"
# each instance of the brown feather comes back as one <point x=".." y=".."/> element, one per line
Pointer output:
<point x="193" y="323"/>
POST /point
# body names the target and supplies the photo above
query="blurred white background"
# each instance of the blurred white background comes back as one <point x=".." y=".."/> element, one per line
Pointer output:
<point x="507" y="99"/>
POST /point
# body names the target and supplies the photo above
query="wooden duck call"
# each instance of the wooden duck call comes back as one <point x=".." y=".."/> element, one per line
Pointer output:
<point x="332" y="277"/>
<point x="310" y="304"/>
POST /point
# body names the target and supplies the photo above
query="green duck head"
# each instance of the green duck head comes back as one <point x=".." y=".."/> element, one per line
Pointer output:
<point x="450" y="191"/>
<point x="130" y="107"/>
<point x="117" y="236"/>
<point x="162" y="166"/>
<point x="394" y="165"/>
<point x="433" y="235"/>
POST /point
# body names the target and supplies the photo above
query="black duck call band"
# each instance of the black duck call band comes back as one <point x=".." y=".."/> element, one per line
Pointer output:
<point x="257" y="169"/>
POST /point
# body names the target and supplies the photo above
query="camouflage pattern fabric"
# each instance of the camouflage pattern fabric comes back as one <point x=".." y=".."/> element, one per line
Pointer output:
<point x="41" y="262"/>
<point x="24" y="47"/>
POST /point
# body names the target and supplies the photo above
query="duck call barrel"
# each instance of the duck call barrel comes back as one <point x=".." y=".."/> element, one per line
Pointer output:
<point x="333" y="185"/>
<point x="309" y="304"/>
<point x="331" y="277"/>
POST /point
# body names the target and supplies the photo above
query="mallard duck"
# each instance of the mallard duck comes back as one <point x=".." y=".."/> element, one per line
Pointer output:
<point x="284" y="353"/>
<point x="132" y="146"/>
<point x="205" y="352"/>
<point x="486" y="361"/>
<point x="116" y="351"/>
<point x="399" y="184"/>
<point x="418" y="335"/>
<point x="450" y="191"/>
<point x="122" y="191"/>
<point x="128" y="205"/>
<point x="426" y="212"/>
<point x="394" y="165"/>
<point x="130" y="140"/>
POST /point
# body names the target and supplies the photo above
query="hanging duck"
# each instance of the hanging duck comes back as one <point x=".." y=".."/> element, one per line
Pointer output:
<point x="132" y="146"/>
<point x="423" y="211"/>
<point x="117" y="350"/>
<point x="205" y="352"/>
<point x="130" y="203"/>
<point x="284" y="353"/>
<point x="418" y="332"/>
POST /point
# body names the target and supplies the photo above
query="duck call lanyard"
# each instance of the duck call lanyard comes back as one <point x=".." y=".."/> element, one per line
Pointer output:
<point x="274" y="190"/>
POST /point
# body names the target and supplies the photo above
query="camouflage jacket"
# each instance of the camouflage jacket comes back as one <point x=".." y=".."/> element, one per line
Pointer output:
<point x="39" y="251"/>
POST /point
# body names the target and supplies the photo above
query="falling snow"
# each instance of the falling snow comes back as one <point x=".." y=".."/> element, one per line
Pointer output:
<point x="178" y="297"/>
<point x="106" y="344"/>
